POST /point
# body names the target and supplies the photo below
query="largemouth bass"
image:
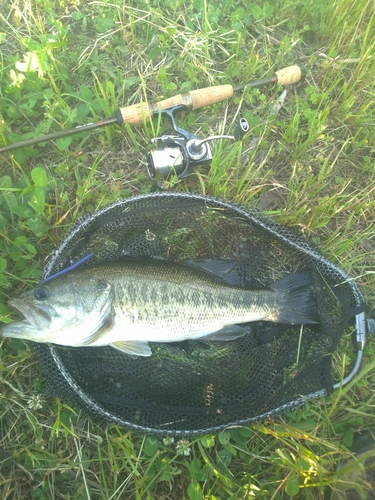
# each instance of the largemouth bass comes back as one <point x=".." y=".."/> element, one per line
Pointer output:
<point x="128" y="304"/>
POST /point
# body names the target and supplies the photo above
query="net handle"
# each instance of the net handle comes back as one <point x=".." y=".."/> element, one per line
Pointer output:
<point x="361" y="334"/>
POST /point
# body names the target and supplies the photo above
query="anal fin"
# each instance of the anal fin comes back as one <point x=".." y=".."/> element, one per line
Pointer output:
<point x="230" y="332"/>
<point x="133" y="348"/>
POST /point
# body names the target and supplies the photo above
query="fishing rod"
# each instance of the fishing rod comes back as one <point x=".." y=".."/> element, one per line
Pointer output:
<point x="195" y="99"/>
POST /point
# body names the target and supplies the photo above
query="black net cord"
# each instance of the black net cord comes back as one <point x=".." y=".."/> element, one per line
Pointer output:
<point x="67" y="372"/>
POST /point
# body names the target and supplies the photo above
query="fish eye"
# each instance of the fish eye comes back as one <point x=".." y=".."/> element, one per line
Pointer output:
<point x="41" y="293"/>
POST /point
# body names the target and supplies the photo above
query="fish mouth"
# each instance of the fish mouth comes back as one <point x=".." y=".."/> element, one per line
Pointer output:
<point x="37" y="316"/>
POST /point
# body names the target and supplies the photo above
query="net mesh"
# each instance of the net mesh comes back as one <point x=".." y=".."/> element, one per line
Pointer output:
<point x="195" y="386"/>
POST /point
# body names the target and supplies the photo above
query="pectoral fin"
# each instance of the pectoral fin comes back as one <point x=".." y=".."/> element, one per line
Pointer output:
<point x="133" y="348"/>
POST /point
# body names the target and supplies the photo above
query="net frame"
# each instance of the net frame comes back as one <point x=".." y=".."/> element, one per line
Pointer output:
<point x="69" y="250"/>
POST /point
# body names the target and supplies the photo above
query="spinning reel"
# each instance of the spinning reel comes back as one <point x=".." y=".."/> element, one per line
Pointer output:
<point x="177" y="153"/>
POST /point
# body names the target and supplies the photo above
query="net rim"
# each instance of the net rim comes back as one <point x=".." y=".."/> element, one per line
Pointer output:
<point x="257" y="218"/>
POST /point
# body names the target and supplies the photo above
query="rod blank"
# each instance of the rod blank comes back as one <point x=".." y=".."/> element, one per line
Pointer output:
<point x="195" y="99"/>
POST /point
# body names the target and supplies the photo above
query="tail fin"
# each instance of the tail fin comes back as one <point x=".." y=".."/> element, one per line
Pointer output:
<point x="297" y="302"/>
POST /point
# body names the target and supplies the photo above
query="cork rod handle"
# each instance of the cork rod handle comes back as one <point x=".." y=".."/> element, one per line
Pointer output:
<point x="289" y="75"/>
<point x="137" y="113"/>
<point x="194" y="99"/>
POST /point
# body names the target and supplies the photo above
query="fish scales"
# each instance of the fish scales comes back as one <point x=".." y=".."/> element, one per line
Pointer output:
<point x="132" y="302"/>
<point x="181" y="298"/>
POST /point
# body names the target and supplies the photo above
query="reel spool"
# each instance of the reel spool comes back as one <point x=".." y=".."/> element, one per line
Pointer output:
<point x="176" y="154"/>
<point x="196" y="387"/>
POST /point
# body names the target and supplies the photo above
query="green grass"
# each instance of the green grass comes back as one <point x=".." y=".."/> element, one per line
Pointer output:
<point x="64" y="63"/>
